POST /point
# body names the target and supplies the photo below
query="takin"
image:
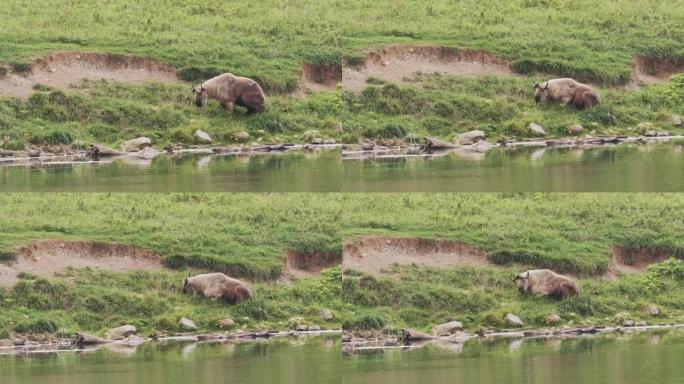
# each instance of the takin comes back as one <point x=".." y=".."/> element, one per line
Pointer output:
<point x="544" y="282"/>
<point x="218" y="286"/>
<point x="567" y="91"/>
<point x="231" y="90"/>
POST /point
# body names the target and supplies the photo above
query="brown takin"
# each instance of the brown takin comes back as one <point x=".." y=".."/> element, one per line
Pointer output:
<point x="218" y="286"/>
<point x="231" y="90"/>
<point x="568" y="92"/>
<point x="544" y="282"/>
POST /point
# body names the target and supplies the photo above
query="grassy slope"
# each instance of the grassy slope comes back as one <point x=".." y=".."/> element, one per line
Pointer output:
<point x="268" y="40"/>
<point x="246" y="234"/>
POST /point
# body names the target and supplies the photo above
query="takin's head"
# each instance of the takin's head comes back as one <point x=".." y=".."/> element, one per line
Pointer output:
<point x="201" y="96"/>
<point x="187" y="288"/>
<point x="523" y="281"/>
<point x="242" y="293"/>
<point x="541" y="92"/>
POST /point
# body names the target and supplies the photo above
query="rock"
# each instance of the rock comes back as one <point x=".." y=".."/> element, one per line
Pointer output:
<point x="326" y="314"/>
<point x="187" y="324"/>
<point x="536" y="129"/>
<point x="368" y="146"/>
<point x="202" y="136"/>
<point x="81" y="339"/>
<point x="653" y="310"/>
<point x="552" y="319"/>
<point x="674" y="120"/>
<point x="628" y="323"/>
<point x="34" y="153"/>
<point x="6" y="153"/>
<point x="316" y="141"/>
<point x="301" y="328"/>
<point x="97" y="150"/>
<point x="136" y="144"/>
<point x="514" y="320"/>
<point x="308" y="136"/>
<point x="346" y="338"/>
<point x="663" y="134"/>
<point x="226" y="323"/>
<point x="329" y="141"/>
<point x="641" y="324"/>
<point x="447" y="329"/>
<point x="470" y="137"/>
<point x="121" y="332"/>
<point x="18" y="342"/>
<point x="241" y="136"/>
<point x="434" y="143"/>
<point x="575" y="129"/>
<point x="315" y="328"/>
<point x="148" y="153"/>
<point x="413" y="335"/>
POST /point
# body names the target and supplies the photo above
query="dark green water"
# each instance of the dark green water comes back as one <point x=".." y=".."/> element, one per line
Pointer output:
<point x="657" y="167"/>
<point x="653" y="358"/>
<point x="308" y="360"/>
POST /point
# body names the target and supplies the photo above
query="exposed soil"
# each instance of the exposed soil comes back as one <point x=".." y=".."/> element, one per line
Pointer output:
<point x="318" y="78"/>
<point x="62" y="70"/>
<point x="376" y="254"/>
<point x="299" y="265"/>
<point x="398" y="62"/>
<point x="49" y="257"/>
<point x="627" y="260"/>
<point x="649" y="70"/>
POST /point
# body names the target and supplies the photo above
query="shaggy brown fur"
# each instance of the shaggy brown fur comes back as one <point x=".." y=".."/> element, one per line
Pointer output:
<point x="545" y="282"/>
<point x="567" y="91"/>
<point x="217" y="286"/>
<point x="231" y="90"/>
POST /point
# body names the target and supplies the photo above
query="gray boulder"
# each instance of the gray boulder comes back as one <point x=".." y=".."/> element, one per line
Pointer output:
<point x="447" y="329"/>
<point x="136" y="144"/>
<point x="536" y="129"/>
<point x="202" y="136"/>
<point x="187" y="324"/>
<point x="514" y="320"/>
<point x="471" y="137"/>
<point x="121" y="332"/>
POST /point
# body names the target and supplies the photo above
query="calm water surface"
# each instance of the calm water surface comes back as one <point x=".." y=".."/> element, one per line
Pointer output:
<point x="305" y="361"/>
<point x="622" y="168"/>
<point x="653" y="358"/>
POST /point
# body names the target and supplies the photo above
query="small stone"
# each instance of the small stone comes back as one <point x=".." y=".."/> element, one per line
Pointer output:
<point x="536" y="129"/>
<point x="187" y="324"/>
<point x="226" y="323"/>
<point x="552" y="319"/>
<point x="136" y="144"/>
<point x="241" y="136"/>
<point x="326" y="314"/>
<point x="514" y="320"/>
<point x="447" y="329"/>
<point x="653" y="310"/>
<point x="202" y="136"/>
<point x="471" y="137"/>
<point x="575" y="129"/>
<point x="329" y="141"/>
<point x="121" y="332"/>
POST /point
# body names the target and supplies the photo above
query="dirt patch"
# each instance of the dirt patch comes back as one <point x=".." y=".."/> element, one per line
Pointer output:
<point x="649" y="70"/>
<point x="375" y="254"/>
<point x="299" y="265"/>
<point x="397" y="62"/>
<point x="62" y="70"/>
<point x="628" y="260"/>
<point x="318" y="78"/>
<point x="48" y="257"/>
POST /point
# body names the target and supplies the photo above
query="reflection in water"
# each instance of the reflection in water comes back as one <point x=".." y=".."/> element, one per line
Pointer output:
<point x="622" y="168"/>
<point x="608" y="359"/>
<point x="314" y="360"/>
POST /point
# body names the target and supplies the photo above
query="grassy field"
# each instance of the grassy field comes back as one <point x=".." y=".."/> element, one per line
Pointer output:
<point x="246" y="235"/>
<point x="589" y="40"/>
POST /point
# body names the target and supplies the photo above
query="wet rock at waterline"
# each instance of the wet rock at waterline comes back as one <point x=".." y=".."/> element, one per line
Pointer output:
<point x="447" y="329"/>
<point x="6" y="153"/>
<point x="470" y="137"/>
<point x="536" y="129"/>
<point x="202" y="136"/>
<point x="514" y="320"/>
<point x="329" y="141"/>
<point x="136" y="144"/>
<point x="187" y="324"/>
<point x="122" y="332"/>
<point x="367" y="145"/>
<point x="241" y="136"/>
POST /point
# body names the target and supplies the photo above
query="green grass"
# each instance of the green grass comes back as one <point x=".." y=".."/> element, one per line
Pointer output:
<point x="480" y="298"/>
<point x="588" y="40"/>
